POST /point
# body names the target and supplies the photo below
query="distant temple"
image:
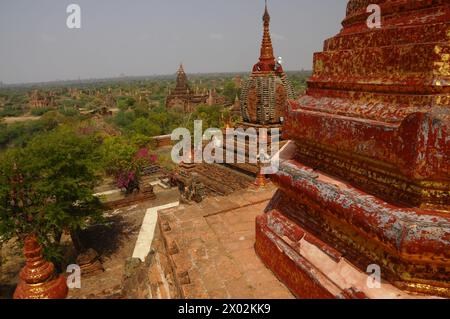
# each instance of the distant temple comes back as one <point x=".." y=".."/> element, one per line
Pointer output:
<point x="235" y="109"/>
<point x="215" y="98"/>
<point x="41" y="100"/>
<point x="183" y="96"/>
<point x="237" y="81"/>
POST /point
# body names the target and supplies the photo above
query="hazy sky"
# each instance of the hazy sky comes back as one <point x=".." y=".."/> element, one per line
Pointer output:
<point x="146" y="37"/>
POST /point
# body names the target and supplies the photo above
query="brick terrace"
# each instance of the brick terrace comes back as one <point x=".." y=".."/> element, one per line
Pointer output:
<point x="211" y="248"/>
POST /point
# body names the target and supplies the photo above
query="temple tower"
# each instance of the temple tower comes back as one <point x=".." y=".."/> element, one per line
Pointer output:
<point x="265" y="94"/>
<point x="183" y="96"/>
<point x="264" y="98"/>
<point x="182" y="85"/>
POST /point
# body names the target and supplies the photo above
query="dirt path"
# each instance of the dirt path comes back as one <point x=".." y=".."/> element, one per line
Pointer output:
<point x="12" y="120"/>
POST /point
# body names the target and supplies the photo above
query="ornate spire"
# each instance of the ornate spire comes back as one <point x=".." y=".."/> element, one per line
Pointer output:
<point x="182" y="82"/>
<point x="267" y="58"/>
<point x="181" y="69"/>
<point x="266" y="16"/>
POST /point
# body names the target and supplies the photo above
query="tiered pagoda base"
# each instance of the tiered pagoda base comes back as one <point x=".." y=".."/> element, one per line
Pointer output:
<point x="365" y="184"/>
<point x="319" y="235"/>
<point x="216" y="179"/>
<point x="249" y="168"/>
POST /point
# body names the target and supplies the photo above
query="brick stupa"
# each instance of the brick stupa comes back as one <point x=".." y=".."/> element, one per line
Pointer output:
<point x="264" y="96"/>
<point x="365" y="181"/>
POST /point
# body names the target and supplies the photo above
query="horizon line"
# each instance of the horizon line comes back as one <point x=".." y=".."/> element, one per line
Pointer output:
<point x="6" y="85"/>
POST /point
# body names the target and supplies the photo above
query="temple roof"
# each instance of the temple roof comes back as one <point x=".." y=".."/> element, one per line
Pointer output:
<point x="182" y="81"/>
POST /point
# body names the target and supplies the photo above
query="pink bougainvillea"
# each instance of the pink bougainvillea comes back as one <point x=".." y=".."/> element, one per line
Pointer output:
<point x="129" y="178"/>
<point x="144" y="154"/>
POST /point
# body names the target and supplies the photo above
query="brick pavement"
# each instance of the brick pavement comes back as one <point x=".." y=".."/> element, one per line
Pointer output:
<point x="211" y="248"/>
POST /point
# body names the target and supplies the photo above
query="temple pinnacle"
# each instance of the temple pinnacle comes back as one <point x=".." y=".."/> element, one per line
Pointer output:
<point x="266" y="16"/>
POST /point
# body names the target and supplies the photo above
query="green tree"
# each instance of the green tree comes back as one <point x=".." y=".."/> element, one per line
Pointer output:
<point x="18" y="134"/>
<point x="124" y="119"/>
<point x="12" y="110"/>
<point x="146" y="127"/>
<point x="141" y="110"/>
<point x="141" y="141"/>
<point x="210" y="115"/>
<point x="125" y="102"/>
<point x="3" y="134"/>
<point x="94" y="104"/>
<point x="125" y="161"/>
<point x="116" y="153"/>
<point x="60" y="171"/>
<point x="40" y="111"/>
<point x="230" y="91"/>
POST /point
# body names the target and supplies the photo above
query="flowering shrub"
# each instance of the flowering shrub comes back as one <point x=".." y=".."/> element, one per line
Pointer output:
<point x="129" y="177"/>
<point x="127" y="181"/>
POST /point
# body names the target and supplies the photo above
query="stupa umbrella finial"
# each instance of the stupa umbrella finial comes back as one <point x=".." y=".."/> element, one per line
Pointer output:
<point x="267" y="59"/>
<point x="181" y="68"/>
<point x="266" y="17"/>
